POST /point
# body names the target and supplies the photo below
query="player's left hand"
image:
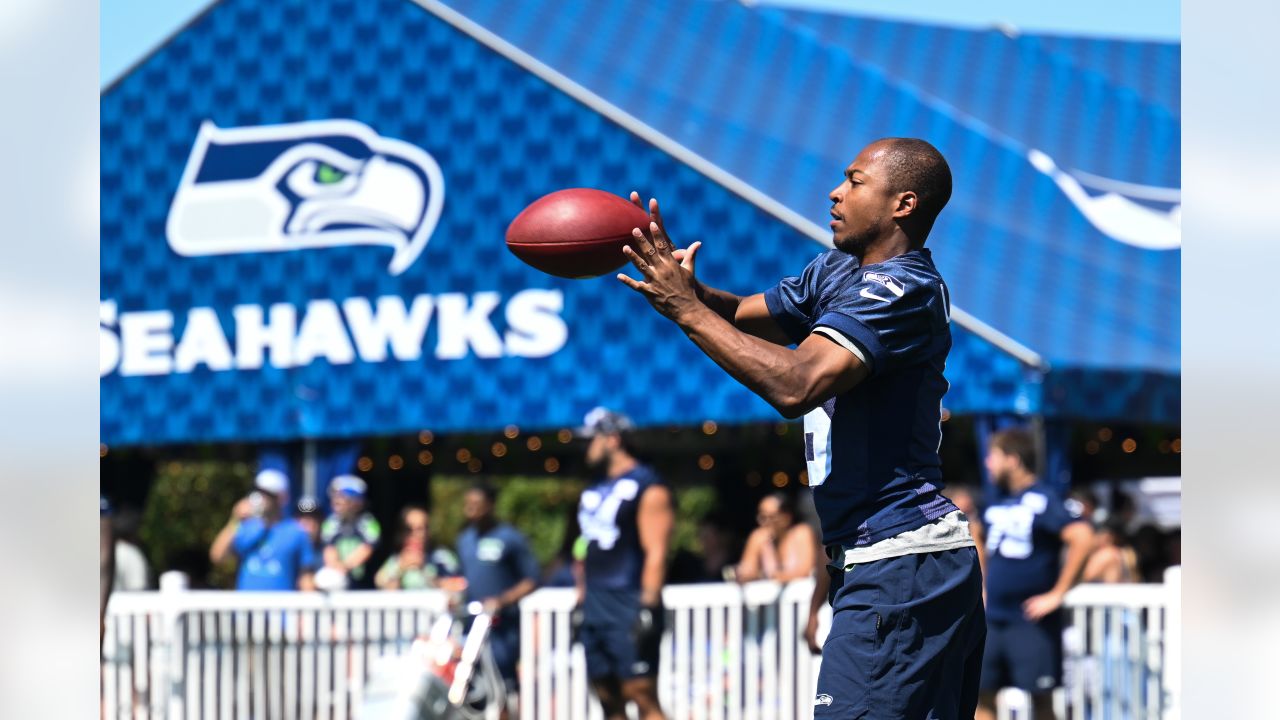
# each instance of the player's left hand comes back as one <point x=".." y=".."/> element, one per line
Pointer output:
<point x="492" y="606"/>
<point x="668" y="286"/>
<point x="1038" y="606"/>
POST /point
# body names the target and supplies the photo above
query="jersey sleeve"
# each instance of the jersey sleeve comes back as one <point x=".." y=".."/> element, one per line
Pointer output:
<point x="445" y="562"/>
<point x="793" y="301"/>
<point x="329" y="530"/>
<point x="368" y="529"/>
<point x="249" y="534"/>
<point x="894" y="319"/>
<point x="1056" y="514"/>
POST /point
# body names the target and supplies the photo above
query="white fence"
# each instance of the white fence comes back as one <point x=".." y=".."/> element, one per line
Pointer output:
<point x="210" y="654"/>
<point x="730" y="653"/>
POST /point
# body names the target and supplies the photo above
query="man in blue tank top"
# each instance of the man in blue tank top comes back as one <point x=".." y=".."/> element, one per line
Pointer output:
<point x="870" y="324"/>
<point x="626" y="520"/>
<point x="1026" y="529"/>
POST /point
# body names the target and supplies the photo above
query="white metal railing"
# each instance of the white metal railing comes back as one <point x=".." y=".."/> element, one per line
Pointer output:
<point x="1120" y="654"/>
<point x="730" y="653"/>
<point x="215" y="654"/>
<point x="1118" y="645"/>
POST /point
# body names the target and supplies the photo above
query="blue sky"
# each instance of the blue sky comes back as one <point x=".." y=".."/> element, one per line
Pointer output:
<point x="132" y="28"/>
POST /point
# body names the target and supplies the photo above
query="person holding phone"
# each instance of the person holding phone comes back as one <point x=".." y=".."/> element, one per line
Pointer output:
<point x="275" y="552"/>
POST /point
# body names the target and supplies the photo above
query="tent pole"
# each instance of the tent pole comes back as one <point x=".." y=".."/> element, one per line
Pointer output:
<point x="309" y="468"/>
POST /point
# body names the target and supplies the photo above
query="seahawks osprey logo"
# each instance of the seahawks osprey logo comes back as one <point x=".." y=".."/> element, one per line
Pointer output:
<point x="323" y="183"/>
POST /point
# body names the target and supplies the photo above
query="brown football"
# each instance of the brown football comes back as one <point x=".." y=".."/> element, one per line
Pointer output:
<point x="575" y="233"/>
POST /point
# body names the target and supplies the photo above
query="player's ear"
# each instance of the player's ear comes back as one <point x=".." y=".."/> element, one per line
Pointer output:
<point x="907" y="202"/>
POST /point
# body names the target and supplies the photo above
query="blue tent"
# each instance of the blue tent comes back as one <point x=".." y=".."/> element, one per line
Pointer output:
<point x="304" y="204"/>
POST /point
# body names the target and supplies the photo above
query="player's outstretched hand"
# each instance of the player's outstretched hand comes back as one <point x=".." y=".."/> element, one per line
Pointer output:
<point x="667" y="285"/>
<point x="684" y="256"/>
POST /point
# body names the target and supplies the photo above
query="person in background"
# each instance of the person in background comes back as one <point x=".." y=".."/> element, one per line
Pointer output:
<point x="965" y="499"/>
<point x="1113" y="559"/>
<point x="350" y="534"/>
<point x="500" y="570"/>
<point x="627" y="518"/>
<point x="1027" y="577"/>
<point x="1083" y="502"/>
<point x="715" y="562"/>
<point x="1150" y="545"/>
<point x="310" y="518"/>
<point x="783" y="548"/>
<point x="274" y="551"/>
<point x="416" y="565"/>
<point x="106" y="563"/>
<point x="132" y="572"/>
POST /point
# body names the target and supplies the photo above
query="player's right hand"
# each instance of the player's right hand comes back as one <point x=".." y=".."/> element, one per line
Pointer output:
<point x="242" y="509"/>
<point x="811" y="634"/>
<point x="684" y="256"/>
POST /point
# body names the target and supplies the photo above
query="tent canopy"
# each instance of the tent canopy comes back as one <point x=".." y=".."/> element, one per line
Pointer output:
<point x="304" y="204"/>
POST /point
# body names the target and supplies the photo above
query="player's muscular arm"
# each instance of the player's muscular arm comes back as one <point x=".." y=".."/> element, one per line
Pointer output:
<point x="654" y="523"/>
<point x="1078" y="537"/>
<point x="793" y="381"/>
<point x="753" y="317"/>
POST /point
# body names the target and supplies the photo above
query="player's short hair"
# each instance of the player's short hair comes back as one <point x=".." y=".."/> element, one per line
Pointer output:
<point x="917" y="166"/>
<point x="1018" y="443"/>
<point x="487" y="489"/>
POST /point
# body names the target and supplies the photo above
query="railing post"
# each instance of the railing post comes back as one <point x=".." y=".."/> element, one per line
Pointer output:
<point x="173" y="585"/>
<point x="1173" y="644"/>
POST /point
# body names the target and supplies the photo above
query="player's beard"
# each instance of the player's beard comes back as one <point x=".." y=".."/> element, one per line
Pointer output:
<point x="854" y="243"/>
<point x="597" y="465"/>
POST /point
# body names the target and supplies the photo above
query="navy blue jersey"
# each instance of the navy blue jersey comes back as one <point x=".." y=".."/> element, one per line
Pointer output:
<point x="873" y="452"/>
<point x="607" y="516"/>
<point x="1024" y="548"/>
<point x="494" y="561"/>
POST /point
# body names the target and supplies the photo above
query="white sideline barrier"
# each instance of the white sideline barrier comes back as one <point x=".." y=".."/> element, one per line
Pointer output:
<point x="729" y="653"/>
<point x="216" y="654"/>
<point x="735" y="653"/>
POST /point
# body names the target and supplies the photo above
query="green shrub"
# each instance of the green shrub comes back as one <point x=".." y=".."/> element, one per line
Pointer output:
<point x="189" y="503"/>
<point x="540" y="507"/>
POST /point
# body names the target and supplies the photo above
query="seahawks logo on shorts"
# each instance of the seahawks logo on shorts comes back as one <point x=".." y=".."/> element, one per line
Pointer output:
<point x="823" y="699"/>
<point x="324" y="183"/>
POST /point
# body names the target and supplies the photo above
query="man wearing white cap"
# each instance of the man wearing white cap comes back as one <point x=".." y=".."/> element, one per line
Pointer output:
<point x="275" y="552"/>
<point x="626" y="519"/>
<point x="350" y="535"/>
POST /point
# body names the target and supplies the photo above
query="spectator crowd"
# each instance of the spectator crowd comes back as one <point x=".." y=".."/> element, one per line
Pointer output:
<point x="1034" y="546"/>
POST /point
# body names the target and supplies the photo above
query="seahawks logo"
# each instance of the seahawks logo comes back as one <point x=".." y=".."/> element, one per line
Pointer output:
<point x="324" y="183"/>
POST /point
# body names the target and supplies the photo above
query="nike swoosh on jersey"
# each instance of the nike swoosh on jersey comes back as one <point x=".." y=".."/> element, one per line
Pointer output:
<point x="868" y="294"/>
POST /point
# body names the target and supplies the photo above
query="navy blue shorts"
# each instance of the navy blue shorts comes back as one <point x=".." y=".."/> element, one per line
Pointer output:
<point x="906" y="639"/>
<point x="609" y="641"/>
<point x="1023" y="654"/>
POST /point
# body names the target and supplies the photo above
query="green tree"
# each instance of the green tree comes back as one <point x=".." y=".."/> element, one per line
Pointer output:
<point x="189" y="502"/>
